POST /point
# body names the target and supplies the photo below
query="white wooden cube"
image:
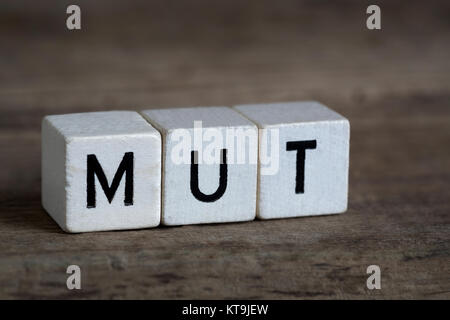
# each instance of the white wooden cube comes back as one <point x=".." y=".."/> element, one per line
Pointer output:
<point x="202" y="183"/>
<point x="304" y="159"/>
<point x="101" y="171"/>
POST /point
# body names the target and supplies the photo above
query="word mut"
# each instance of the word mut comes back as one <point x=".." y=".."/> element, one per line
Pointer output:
<point x="129" y="170"/>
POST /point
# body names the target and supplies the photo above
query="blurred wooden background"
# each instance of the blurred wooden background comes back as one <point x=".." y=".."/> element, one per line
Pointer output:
<point x="393" y="85"/>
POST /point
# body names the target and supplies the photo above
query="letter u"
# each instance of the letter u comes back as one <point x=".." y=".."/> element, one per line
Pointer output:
<point x="222" y="180"/>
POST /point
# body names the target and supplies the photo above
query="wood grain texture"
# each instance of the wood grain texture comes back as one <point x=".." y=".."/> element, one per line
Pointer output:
<point x="393" y="86"/>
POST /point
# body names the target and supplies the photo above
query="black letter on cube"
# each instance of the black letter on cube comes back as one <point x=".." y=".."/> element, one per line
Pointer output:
<point x="300" y="146"/>
<point x="95" y="169"/>
<point x="222" y="180"/>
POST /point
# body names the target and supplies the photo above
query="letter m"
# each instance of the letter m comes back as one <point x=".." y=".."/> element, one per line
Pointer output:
<point x="95" y="169"/>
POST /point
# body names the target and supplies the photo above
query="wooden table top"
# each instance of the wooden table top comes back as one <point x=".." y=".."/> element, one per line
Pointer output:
<point x="393" y="85"/>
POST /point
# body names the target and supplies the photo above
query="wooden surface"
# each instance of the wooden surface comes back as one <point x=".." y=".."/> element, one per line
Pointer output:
<point x="393" y="85"/>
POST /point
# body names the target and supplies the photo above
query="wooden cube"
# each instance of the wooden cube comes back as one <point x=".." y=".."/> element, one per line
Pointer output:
<point x="203" y="179"/>
<point x="101" y="171"/>
<point x="304" y="159"/>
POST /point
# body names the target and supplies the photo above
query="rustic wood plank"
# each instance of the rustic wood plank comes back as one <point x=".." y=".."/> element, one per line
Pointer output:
<point x="394" y="86"/>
